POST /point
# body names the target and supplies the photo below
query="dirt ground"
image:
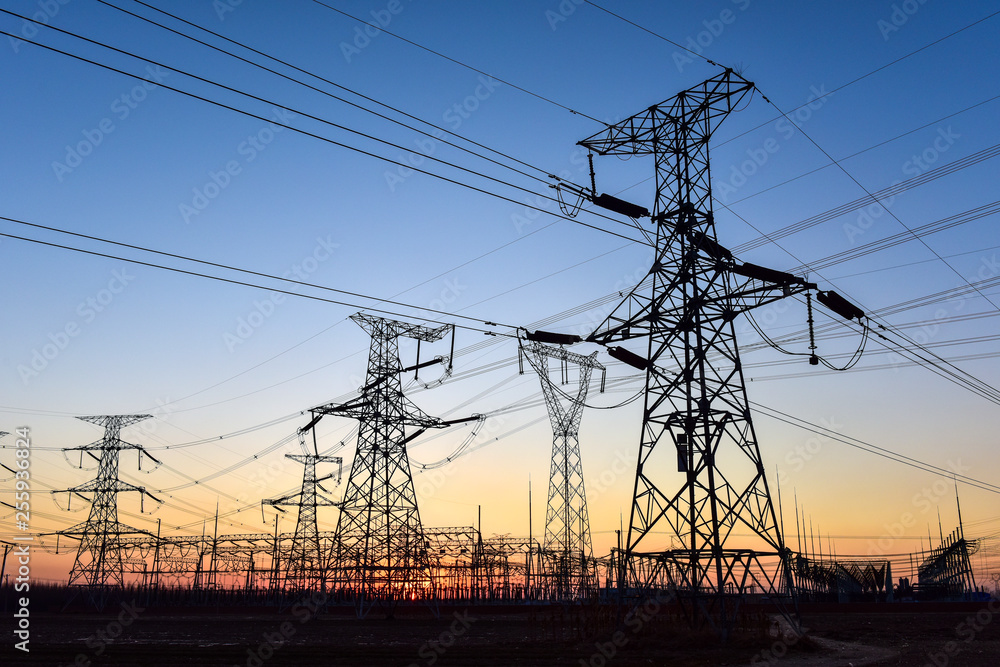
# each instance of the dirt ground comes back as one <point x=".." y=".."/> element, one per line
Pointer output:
<point x="483" y="637"/>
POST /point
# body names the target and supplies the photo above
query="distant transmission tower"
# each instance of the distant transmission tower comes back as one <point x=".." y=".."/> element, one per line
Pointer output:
<point x="567" y="545"/>
<point x="380" y="551"/>
<point x="699" y="474"/>
<point x="100" y="560"/>
<point x="306" y="565"/>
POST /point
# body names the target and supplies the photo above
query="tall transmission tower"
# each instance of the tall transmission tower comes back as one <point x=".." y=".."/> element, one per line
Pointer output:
<point x="380" y="551"/>
<point x="699" y="475"/>
<point x="306" y="565"/>
<point x="567" y="545"/>
<point x="100" y="559"/>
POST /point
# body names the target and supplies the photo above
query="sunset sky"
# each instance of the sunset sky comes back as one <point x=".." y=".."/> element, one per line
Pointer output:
<point x="274" y="177"/>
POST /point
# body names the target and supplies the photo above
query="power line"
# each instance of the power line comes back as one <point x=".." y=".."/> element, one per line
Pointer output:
<point x="238" y="91"/>
<point x="460" y="63"/>
<point x="238" y="270"/>
<point x="869" y="148"/>
<point x="654" y="34"/>
<point x="884" y="206"/>
<point x="863" y="76"/>
<point x="313" y="134"/>
<point x="327" y="93"/>
<point x="927" y="229"/>
<point x="871" y="198"/>
<point x="297" y="111"/>
<point x="874" y="449"/>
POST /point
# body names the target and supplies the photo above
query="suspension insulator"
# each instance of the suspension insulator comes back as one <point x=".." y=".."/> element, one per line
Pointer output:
<point x="629" y="357"/>
<point x="711" y="247"/>
<point x="621" y="206"/>
<point x="552" y="338"/>
<point x="840" y="305"/>
<point x="767" y="275"/>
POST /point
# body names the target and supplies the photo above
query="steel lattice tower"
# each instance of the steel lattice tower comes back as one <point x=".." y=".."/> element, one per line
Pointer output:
<point x="567" y="544"/>
<point x="380" y="551"/>
<point x="306" y="566"/>
<point x="699" y="471"/>
<point x="99" y="558"/>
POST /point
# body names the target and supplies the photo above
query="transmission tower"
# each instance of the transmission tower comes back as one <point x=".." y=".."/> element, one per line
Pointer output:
<point x="567" y="544"/>
<point x="699" y="475"/>
<point x="306" y="567"/>
<point x="380" y="551"/>
<point x="100" y="560"/>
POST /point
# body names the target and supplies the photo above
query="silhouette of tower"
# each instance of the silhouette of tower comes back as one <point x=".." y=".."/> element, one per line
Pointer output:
<point x="566" y="547"/>
<point x="100" y="560"/>
<point x="306" y="564"/>
<point x="380" y="551"/>
<point x="699" y="475"/>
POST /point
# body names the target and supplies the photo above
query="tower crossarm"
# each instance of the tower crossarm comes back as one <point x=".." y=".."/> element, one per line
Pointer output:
<point x="699" y="470"/>
<point x="565" y="418"/>
<point x="362" y="409"/>
<point x="636" y="314"/>
<point x="562" y="354"/>
<point x="103" y="486"/>
<point x="693" y="112"/>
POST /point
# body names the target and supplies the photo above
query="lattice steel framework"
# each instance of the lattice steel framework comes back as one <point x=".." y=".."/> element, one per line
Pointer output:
<point x="380" y="553"/>
<point x="566" y="549"/>
<point x="307" y="563"/>
<point x="947" y="570"/>
<point x="100" y="557"/>
<point x="699" y="471"/>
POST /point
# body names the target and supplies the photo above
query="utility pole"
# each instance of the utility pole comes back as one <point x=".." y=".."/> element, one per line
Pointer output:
<point x="567" y="544"/>
<point x="696" y="418"/>
<point x="305" y="568"/>
<point x="380" y="551"/>
<point x="100" y="560"/>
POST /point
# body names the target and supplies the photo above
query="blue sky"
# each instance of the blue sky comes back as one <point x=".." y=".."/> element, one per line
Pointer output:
<point x="98" y="153"/>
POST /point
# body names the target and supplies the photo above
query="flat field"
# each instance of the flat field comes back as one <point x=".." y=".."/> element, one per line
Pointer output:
<point x="943" y="635"/>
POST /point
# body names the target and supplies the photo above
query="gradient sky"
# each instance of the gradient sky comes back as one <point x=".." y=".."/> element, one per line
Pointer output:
<point x="95" y="152"/>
